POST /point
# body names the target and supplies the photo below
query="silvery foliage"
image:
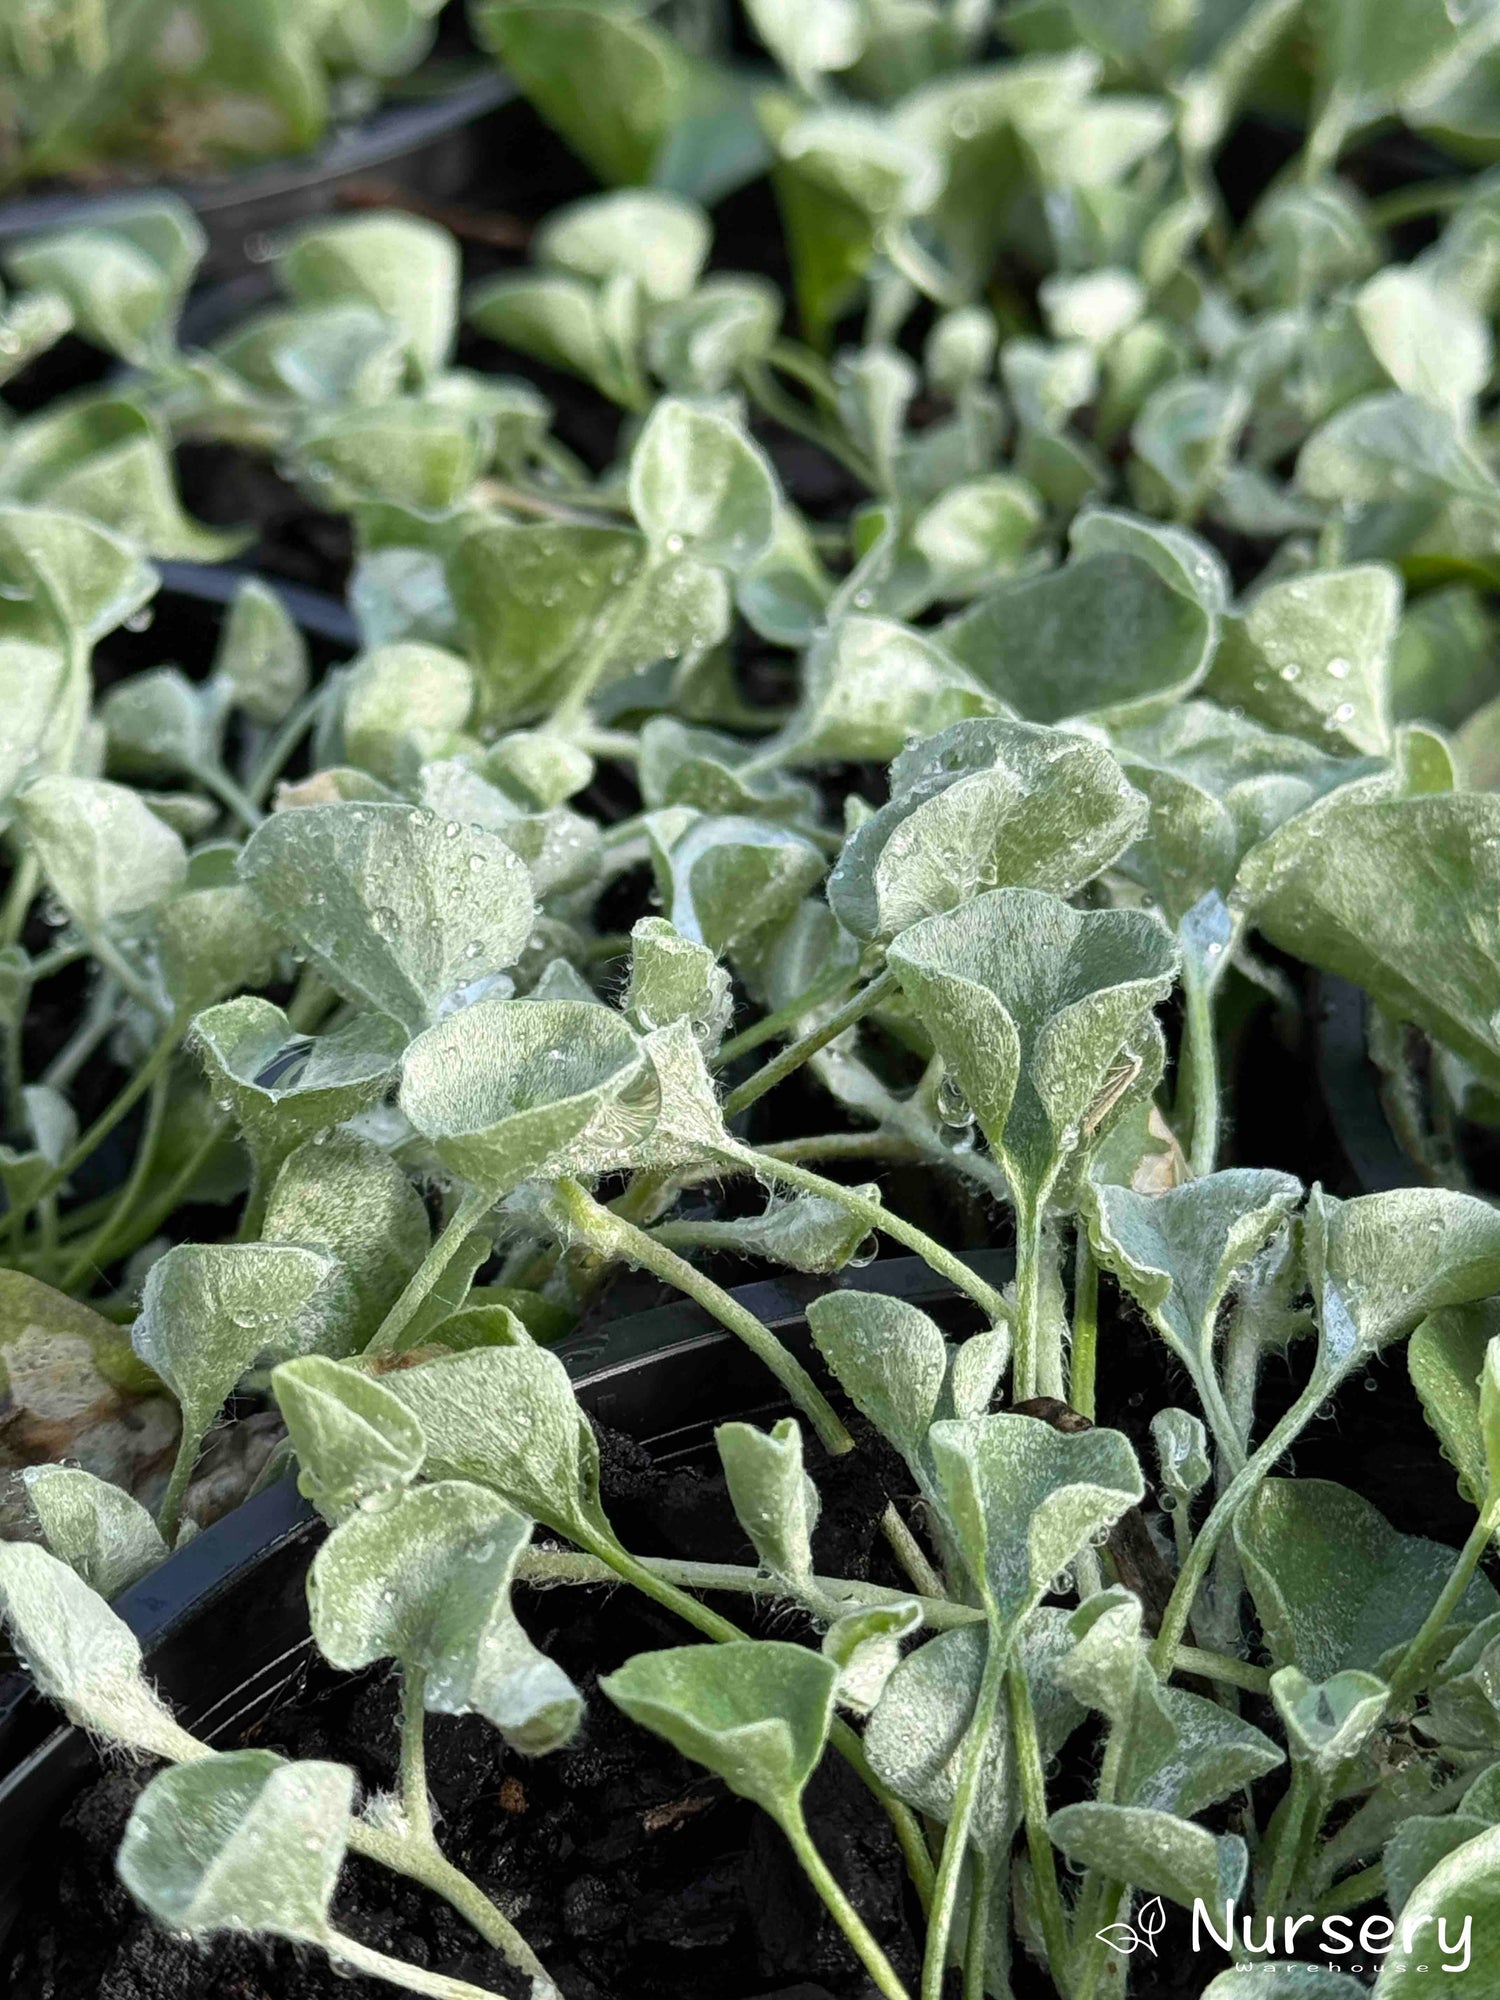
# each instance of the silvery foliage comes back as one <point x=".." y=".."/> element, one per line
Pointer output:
<point x="393" y="991"/>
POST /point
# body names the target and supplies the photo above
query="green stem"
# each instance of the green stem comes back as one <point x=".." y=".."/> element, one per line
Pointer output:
<point x="415" y="1803"/>
<point x="1250" y="1475"/>
<point x="1416" y="1661"/>
<point x="169" y="1518"/>
<point x="283" y="743"/>
<point x="878" y="1145"/>
<point x="848" y="1919"/>
<point x="875" y="1215"/>
<point x="544" y="1568"/>
<point x="228" y="793"/>
<point x="1083" y="1363"/>
<point x="1050" y="1910"/>
<point x="792" y="1058"/>
<point x="981" y="1873"/>
<point x="609" y="1234"/>
<point x="396" y="1972"/>
<point x="475" y="1202"/>
<point x="1300" y="1803"/>
<point x="772" y="399"/>
<point x="770" y="1025"/>
<point x="24" y="882"/>
<point x="119" y="967"/>
<point x="1201" y="1062"/>
<point x="105" y="1123"/>
<point x="94" y="1254"/>
<point x="424" y="1861"/>
<point x="956" y="1833"/>
<point x="1364" y="1886"/>
<point x="1033" y="1372"/>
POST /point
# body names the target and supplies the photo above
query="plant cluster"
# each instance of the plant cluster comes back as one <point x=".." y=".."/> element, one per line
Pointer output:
<point x="93" y="86"/>
<point x="1162" y="598"/>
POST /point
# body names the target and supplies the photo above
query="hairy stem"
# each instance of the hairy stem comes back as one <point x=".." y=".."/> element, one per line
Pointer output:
<point x="1083" y="1362"/>
<point x="1244" y="1483"/>
<point x="1415" y="1663"/>
<point x="474" y="1204"/>
<point x="956" y="1834"/>
<point x="844" y="1914"/>
<point x="769" y="1026"/>
<point x="876" y="1216"/>
<point x="415" y="1802"/>
<point x="791" y="1059"/>
<point x="1201" y="1063"/>
<point x="396" y="1972"/>
<point x="610" y="1234"/>
<point x="1050" y="1910"/>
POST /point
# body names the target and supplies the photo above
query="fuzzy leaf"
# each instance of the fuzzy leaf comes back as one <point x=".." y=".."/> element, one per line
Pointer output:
<point x="354" y="1439"/>
<point x="79" y="1653"/>
<point x="1153" y="1851"/>
<point x="1185" y="1752"/>
<point x="754" y="1711"/>
<point x="1462" y="1893"/>
<point x="240" y="1841"/>
<point x="1022" y="1499"/>
<point x="103" y="850"/>
<point x="1031" y="1003"/>
<point x="730" y="883"/>
<point x="915" y="1736"/>
<point x="1380" y="1263"/>
<point x="1330" y="1721"/>
<point x="510" y="1090"/>
<point x="1335" y="1585"/>
<point x="865" y="1645"/>
<point x="697" y="482"/>
<point x="889" y="1358"/>
<point x="125" y="280"/>
<point x="1177" y="1253"/>
<point x="426" y="1580"/>
<point x="348" y="1198"/>
<point x="405" y="268"/>
<point x="262" y="656"/>
<point x="646" y="234"/>
<point x="507" y="1418"/>
<point x="83" y="579"/>
<point x="404" y="702"/>
<point x="1103" y="636"/>
<point x="285" y="1087"/>
<point x="98" y="1530"/>
<point x="773" y="1499"/>
<point x="1311" y="655"/>
<point x="870" y="685"/>
<point x="391" y="908"/>
<point x="674" y="979"/>
<point x="1400" y="896"/>
<point x="982" y="805"/>
<point x="1447" y="1357"/>
<point x="208" y="1310"/>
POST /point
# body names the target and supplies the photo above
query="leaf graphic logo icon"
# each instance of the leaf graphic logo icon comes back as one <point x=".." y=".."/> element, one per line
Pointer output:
<point x="1151" y="1921"/>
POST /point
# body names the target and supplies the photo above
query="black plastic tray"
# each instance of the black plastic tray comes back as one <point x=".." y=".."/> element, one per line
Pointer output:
<point x="428" y="148"/>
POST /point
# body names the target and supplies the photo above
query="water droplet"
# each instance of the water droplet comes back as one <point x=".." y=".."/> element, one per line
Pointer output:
<point x="384" y="920"/>
<point x="1339" y="669"/>
<point x="952" y="1106"/>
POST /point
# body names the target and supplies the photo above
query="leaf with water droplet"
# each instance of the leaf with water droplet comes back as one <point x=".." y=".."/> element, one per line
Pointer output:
<point x="383" y="904"/>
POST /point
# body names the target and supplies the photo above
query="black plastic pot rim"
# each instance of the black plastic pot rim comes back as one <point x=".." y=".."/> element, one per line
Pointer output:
<point x="393" y="129"/>
<point x="318" y="615"/>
